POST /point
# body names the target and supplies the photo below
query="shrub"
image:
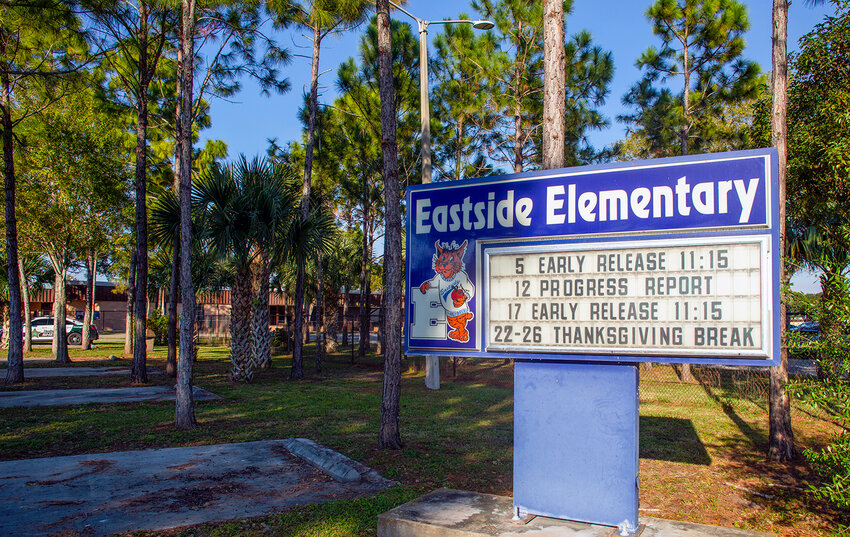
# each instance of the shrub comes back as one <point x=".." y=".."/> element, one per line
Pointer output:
<point x="830" y="393"/>
<point x="158" y="324"/>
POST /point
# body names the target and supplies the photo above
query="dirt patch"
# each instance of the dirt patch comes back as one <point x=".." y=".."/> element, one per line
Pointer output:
<point x="198" y="497"/>
<point x="96" y="467"/>
<point x="64" y="502"/>
<point x="181" y="467"/>
<point x="184" y="497"/>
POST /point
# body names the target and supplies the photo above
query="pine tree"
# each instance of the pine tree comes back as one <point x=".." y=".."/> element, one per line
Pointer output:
<point x="701" y="46"/>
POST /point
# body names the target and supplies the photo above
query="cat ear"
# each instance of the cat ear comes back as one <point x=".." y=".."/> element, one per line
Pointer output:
<point x="462" y="248"/>
<point x="439" y="250"/>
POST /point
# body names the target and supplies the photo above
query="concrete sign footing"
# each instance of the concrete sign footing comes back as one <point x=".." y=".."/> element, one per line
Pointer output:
<point x="457" y="513"/>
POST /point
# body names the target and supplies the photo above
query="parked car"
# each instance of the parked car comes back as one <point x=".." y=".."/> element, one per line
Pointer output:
<point x="810" y="330"/>
<point x="799" y="350"/>
<point x="42" y="330"/>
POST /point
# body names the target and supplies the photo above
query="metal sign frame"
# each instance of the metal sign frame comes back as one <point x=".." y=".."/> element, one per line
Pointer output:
<point x="766" y="341"/>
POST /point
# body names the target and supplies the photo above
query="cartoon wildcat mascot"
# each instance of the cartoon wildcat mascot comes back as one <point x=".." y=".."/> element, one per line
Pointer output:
<point x="454" y="287"/>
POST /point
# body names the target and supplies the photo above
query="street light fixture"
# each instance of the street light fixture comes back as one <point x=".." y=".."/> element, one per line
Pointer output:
<point x="424" y="99"/>
<point x="432" y="364"/>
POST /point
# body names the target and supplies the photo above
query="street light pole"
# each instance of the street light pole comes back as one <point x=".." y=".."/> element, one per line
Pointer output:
<point x="424" y="104"/>
<point x="432" y="363"/>
<point x="424" y="98"/>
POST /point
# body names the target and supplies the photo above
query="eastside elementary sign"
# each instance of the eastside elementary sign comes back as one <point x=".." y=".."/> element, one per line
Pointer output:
<point x="670" y="260"/>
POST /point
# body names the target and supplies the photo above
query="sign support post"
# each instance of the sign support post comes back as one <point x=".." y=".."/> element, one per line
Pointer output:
<point x="576" y="442"/>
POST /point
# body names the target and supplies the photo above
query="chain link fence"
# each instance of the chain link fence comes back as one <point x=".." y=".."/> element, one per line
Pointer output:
<point x="673" y="384"/>
<point x="697" y="385"/>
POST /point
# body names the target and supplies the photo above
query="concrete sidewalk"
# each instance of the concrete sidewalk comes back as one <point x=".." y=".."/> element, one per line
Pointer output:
<point x="32" y="361"/>
<point x="96" y="395"/>
<point x="154" y="489"/>
<point x="50" y="372"/>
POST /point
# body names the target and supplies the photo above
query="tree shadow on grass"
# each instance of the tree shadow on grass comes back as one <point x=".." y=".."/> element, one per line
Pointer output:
<point x="757" y="438"/>
<point x="671" y="439"/>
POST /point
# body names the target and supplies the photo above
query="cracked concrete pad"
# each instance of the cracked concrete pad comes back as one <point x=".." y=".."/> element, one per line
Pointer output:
<point x="105" y="493"/>
<point x="84" y="396"/>
<point x="457" y="513"/>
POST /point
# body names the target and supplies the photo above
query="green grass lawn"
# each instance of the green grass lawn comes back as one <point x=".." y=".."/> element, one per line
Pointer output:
<point x="702" y="447"/>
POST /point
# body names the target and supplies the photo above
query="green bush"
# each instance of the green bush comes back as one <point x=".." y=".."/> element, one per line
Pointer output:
<point x="830" y="393"/>
<point x="832" y="463"/>
<point x="158" y="324"/>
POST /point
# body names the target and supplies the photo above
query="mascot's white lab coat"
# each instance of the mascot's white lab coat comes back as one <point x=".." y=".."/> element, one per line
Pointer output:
<point x="445" y="287"/>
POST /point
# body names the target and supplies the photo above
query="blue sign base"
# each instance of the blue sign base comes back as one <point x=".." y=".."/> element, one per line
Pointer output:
<point x="576" y="442"/>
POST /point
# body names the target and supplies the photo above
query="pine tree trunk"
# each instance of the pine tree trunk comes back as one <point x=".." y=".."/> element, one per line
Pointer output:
<point x="15" y="356"/>
<point x="389" y="436"/>
<point x="173" y="287"/>
<point x="25" y="293"/>
<point x="240" y="326"/>
<point x="459" y="150"/>
<point x="311" y="124"/>
<point x="686" y="108"/>
<point x="781" y="436"/>
<point x="517" y="135"/>
<point x="332" y="309"/>
<point x="297" y="371"/>
<point x="131" y="294"/>
<point x="365" y="291"/>
<point x="320" y="321"/>
<point x="261" y="343"/>
<point x="517" y="97"/>
<point x="4" y="339"/>
<point x="184" y="414"/>
<point x="60" y="337"/>
<point x="138" y="370"/>
<point x="91" y="262"/>
<point x="554" y="80"/>
<point x="307" y="318"/>
<point x="344" y="315"/>
<point x="381" y="318"/>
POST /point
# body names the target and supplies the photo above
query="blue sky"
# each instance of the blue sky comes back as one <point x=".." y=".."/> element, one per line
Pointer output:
<point x="246" y="121"/>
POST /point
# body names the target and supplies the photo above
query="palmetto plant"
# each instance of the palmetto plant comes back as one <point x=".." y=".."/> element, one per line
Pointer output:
<point x="247" y="206"/>
<point x="305" y="240"/>
<point x="36" y="272"/>
<point x="210" y="271"/>
<point x="245" y="221"/>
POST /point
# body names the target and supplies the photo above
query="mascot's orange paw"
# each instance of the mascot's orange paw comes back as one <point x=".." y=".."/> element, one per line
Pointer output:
<point x="461" y="335"/>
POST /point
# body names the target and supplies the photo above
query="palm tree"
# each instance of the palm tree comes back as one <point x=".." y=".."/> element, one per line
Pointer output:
<point x="227" y="225"/>
<point x="164" y="232"/>
<point x="246" y="208"/>
<point x="823" y="247"/>
<point x="210" y="273"/>
<point x="338" y="273"/>
<point x="274" y="208"/>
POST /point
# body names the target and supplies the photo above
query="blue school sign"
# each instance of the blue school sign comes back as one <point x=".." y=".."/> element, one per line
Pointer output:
<point x="578" y="274"/>
<point x="672" y="260"/>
